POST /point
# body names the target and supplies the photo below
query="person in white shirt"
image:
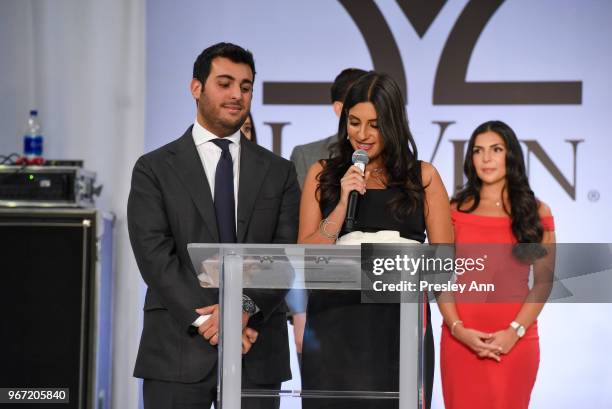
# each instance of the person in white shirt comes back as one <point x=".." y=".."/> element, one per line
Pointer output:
<point x="211" y="185"/>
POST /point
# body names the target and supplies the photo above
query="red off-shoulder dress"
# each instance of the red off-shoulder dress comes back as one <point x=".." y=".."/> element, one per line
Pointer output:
<point x="470" y="382"/>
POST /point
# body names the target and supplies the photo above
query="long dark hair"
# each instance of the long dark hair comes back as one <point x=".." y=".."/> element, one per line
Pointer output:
<point x="399" y="150"/>
<point x="526" y="223"/>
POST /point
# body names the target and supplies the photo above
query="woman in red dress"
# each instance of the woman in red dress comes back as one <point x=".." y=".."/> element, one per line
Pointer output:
<point x="490" y="349"/>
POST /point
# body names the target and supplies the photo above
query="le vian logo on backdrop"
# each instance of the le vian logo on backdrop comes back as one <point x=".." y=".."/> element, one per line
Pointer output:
<point x="450" y="85"/>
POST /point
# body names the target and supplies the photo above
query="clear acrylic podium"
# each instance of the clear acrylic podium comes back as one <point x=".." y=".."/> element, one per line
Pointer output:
<point x="234" y="267"/>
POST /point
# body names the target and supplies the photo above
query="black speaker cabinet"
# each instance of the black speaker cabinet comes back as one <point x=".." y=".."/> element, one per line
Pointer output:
<point x="55" y="303"/>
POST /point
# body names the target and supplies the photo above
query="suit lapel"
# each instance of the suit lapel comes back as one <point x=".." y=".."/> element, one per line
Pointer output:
<point x="188" y="166"/>
<point x="253" y="169"/>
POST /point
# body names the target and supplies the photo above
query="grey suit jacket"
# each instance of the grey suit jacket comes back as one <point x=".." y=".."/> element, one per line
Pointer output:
<point x="303" y="156"/>
<point x="170" y="205"/>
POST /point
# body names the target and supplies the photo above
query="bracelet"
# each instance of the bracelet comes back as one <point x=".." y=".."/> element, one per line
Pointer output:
<point x="324" y="232"/>
<point x="453" y="326"/>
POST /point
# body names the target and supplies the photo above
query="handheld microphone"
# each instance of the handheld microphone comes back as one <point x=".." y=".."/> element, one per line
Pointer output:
<point x="360" y="159"/>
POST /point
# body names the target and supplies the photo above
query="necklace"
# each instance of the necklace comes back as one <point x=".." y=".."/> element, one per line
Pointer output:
<point x="376" y="174"/>
<point x="498" y="203"/>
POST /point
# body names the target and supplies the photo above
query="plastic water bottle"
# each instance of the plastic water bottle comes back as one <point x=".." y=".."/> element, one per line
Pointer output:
<point x="33" y="140"/>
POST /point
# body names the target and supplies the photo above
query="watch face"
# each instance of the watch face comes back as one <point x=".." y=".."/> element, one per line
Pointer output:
<point x="520" y="331"/>
<point x="248" y="306"/>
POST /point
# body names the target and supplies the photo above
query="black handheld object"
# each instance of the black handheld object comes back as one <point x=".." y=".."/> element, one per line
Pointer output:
<point x="360" y="159"/>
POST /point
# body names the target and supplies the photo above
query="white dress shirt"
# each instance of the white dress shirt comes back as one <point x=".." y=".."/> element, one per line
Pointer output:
<point x="209" y="156"/>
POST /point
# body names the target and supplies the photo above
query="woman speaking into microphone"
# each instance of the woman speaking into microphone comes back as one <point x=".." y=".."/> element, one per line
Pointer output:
<point x="348" y="345"/>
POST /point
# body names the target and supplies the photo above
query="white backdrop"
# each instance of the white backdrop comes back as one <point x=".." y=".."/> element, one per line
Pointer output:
<point x="313" y="41"/>
<point x="548" y="40"/>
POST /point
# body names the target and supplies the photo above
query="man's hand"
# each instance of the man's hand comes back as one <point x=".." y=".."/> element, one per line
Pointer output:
<point x="210" y="328"/>
<point x="249" y="336"/>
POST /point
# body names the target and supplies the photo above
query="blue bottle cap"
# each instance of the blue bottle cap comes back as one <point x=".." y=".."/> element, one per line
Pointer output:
<point x="33" y="112"/>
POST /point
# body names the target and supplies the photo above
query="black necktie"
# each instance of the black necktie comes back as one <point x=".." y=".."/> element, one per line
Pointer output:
<point x="224" y="194"/>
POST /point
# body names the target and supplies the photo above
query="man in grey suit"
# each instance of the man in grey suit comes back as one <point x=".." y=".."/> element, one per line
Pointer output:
<point x="303" y="156"/>
<point x="211" y="185"/>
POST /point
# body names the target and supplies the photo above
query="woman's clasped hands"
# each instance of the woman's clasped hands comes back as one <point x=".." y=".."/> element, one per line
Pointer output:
<point x="487" y="345"/>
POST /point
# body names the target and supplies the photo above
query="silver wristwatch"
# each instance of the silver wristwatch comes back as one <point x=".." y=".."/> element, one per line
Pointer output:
<point x="520" y="330"/>
<point x="249" y="305"/>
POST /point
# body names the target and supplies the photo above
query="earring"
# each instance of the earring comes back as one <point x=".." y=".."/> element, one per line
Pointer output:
<point x="347" y="138"/>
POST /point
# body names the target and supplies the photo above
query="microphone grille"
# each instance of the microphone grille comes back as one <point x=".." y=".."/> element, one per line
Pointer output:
<point x="360" y="156"/>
